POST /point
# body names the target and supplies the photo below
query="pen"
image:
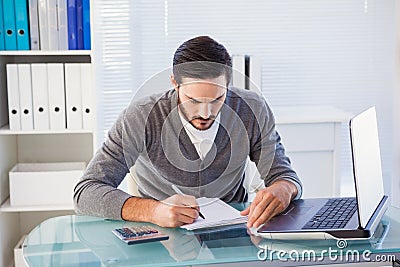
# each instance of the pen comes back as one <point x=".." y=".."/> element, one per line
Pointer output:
<point x="178" y="191"/>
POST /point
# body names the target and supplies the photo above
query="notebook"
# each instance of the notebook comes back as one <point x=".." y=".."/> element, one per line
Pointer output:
<point x="216" y="213"/>
<point x="356" y="218"/>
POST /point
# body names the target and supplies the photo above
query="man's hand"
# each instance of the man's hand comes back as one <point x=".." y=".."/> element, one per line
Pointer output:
<point x="174" y="211"/>
<point x="269" y="202"/>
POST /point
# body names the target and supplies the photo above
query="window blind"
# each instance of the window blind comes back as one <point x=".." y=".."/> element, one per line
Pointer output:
<point x="112" y="59"/>
<point x="334" y="52"/>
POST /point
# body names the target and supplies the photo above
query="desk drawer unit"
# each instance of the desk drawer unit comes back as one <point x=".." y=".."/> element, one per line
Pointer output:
<point x="311" y="148"/>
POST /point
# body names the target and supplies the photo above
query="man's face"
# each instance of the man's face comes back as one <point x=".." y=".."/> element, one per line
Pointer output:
<point x="200" y="100"/>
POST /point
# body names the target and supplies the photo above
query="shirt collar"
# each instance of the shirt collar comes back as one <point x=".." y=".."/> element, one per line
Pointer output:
<point x="199" y="135"/>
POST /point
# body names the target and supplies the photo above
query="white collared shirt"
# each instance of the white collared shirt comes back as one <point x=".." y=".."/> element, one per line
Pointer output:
<point x="201" y="139"/>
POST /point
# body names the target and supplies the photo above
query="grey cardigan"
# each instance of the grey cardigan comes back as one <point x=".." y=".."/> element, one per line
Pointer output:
<point x="149" y="135"/>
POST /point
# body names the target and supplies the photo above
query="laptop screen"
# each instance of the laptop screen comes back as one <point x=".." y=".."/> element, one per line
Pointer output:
<point x="366" y="163"/>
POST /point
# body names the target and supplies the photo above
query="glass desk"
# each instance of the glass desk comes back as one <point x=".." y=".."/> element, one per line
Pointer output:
<point x="88" y="241"/>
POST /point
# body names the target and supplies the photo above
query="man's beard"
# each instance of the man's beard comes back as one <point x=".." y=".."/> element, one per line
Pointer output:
<point x="185" y="115"/>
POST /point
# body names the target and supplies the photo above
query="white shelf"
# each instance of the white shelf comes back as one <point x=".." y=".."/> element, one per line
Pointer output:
<point x="5" y="130"/>
<point x="6" y="207"/>
<point x="309" y="114"/>
<point x="46" y="53"/>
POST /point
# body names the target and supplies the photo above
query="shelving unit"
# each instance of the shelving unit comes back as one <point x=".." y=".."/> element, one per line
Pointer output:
<point x="46" y="53"/>
<point x="5" y="130"/>
<point x="6" y="207"/>
<point x="34" y="146"/>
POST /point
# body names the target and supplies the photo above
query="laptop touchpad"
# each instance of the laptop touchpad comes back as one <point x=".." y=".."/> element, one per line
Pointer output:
<point x="296" y="210"/>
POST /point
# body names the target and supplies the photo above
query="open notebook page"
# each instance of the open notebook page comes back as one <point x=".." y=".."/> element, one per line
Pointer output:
<point x="216" y="213"/>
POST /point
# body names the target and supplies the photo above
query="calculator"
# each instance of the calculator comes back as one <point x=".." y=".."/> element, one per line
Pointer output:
<point x="139" y="234"/>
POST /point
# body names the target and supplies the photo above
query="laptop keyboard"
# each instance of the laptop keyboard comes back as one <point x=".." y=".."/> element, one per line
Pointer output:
<point x="334" y="214"/>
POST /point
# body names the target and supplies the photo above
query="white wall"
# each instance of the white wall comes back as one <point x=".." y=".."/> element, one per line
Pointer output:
<point x="8" y="221"/>
<point x="396" y="119"/>
<point x="8" y="240"/>
<point x="396" y="149"/>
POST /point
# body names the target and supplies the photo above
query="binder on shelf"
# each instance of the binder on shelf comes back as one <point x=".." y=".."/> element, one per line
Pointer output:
<point x="86" y="24"/>
<point x="2" y="47"/>
<point x="238" y="71"/>
<point x="40" y="96"/>
<point x="21" y="24"/>
<point x="55" y="78"/>
<point x="3" y="106"/>
<point x="25" y="96"/>
<point x="72" y="27"/>
<point x="255" y="74"/>
<point x="246" y="72"/>
<point x="43" y="25"/>
<point x="10" y="39"/>
<point x="79" y="24"/>
<point x="14" y="118"/>
<point x="34" y="24"/>
<point x="52" y="26"/>
<point x="73" y="95"/>
<point x="62" y="25"/>
<point x="87" y="96"/>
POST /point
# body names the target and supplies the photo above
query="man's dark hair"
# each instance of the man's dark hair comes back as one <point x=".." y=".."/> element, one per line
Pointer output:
<point x="201" y="57"/>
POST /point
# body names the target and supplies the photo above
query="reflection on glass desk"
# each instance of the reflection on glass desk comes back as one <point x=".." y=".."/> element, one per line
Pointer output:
<point x="88" y="241"/>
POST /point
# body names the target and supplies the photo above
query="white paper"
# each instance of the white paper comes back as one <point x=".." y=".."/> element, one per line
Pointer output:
<point x="216" y="213"/>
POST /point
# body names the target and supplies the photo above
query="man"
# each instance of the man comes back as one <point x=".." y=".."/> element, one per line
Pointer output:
<point x="197" y="137"/>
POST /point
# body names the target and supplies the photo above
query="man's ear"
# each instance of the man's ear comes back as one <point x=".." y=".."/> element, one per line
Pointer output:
<point x="174" y="82"/>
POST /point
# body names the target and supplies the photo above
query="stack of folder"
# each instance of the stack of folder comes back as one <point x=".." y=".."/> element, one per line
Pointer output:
<point x="50" y="96"/>
<point x="45" y="25"/>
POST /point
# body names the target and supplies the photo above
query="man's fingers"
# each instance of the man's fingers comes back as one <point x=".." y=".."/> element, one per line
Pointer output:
<point x="265" y="216"/>
<point x="269" y="202"/>
<point x="245" y="211"/>
<point x="189" y="212"/>
<point x="256" y="201"/>
<point x="182" y="219"/>
<point x="182" y="201"/>
<point x="257" y="211"/>
<point x="258" y="207"/>
<point x="188" y="201"/>
<point x="185" y="214"/>
<point x="273" y="208"/>
<point x="176" y="211"/>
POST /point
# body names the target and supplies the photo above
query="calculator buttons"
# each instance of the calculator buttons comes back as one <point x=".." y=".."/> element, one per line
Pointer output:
<point x="139" y="234"/>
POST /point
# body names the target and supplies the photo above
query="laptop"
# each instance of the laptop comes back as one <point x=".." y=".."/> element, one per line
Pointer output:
<point x="341" y="218"/>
